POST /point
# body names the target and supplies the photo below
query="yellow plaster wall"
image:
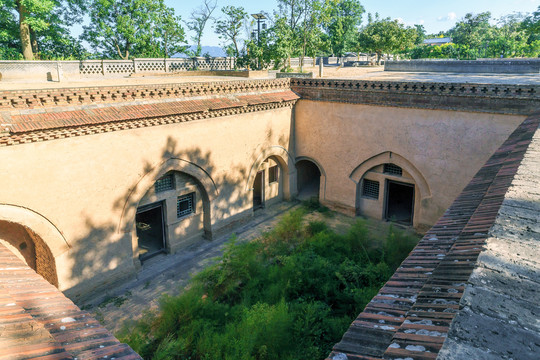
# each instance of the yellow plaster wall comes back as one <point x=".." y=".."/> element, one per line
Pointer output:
<point x="446" y="147"/>
<point x="84" y="185"/>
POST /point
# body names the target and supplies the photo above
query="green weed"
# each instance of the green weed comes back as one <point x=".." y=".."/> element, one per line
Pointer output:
<point x="290" y="295"/>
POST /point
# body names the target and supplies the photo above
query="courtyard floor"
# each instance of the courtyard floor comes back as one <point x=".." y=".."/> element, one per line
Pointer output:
<point x="169" y="274"/>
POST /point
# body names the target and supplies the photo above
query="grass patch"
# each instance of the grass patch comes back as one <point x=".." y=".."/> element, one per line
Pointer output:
<point x="290" y="295"/>
<point x="313" y="204"/>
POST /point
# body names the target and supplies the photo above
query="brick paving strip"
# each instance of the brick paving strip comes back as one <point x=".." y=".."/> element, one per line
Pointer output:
<point x="412" y="313"/>
<point x="38" y="321"/>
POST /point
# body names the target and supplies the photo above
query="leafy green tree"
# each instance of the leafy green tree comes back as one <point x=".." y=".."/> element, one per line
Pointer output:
<point x="531" y="23"/>
<point x="230" y="27"/>
<point x="197" y="22"/>
<point x="420" y="34"/>
<point x="344" y="17"/>
<point x="509" y="39"/>
<point x="473" y="30"/>
<point x="133" y="28"/>
<point x="313" y="15"/>
<point x="386" y="36"/>
<point x="9" y="32"/>
<point x="35" y="27"/>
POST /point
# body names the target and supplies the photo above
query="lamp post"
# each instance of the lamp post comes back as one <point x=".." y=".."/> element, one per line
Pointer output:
<point x="260" y="18"/>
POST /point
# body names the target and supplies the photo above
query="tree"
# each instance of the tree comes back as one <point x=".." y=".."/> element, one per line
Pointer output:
<point x="385" y="36"/>
<point x="509" y="39"/>
<point x="532" y="23"/>
<point x="229" y="28"/>
<point x="345" y="16"/>
<point x="197" y="22"/>
<point x="420" y="34"/>
<point x="311" y="35"/>
<point x="473" y="30"/>
<point x="27" y="24"/>
<point x="124" y="28"/>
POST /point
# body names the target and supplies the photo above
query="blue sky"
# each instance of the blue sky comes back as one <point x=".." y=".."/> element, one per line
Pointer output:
<point x="435" y="15"/>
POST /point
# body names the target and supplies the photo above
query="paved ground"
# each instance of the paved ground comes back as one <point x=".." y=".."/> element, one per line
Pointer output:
<point x="330" y="72"/>
<point x="169" y="274"/>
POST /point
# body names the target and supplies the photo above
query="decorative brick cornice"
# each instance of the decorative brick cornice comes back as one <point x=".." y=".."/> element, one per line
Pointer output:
<point x="30" y="99"/>
<point x="66" y="132"/>
<point x="491" y="98"/>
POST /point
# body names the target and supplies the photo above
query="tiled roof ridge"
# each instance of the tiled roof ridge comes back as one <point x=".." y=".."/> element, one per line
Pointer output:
<point x="525" y="91"/>
<point x="50" y="126"/>
<point x="471" y="97"/>
<point x="410" y="316"/>
<point x="36" y="98"/>
<point x="38" y="321"/>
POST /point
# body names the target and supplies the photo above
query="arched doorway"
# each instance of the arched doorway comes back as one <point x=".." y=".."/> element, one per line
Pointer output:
<point x="308" y="177"/>
<point x="172" y="214"/>
<point x="30" y="248"/>
<point x="387" y="192"/>
<point x="268" y="183"/>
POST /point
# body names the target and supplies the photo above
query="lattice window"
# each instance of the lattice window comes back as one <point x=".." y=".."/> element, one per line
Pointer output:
<point x="393" y="170"/>
<point x="151" y="66"/>
<point x="370" y="189"/>
<point x="165" y="183"/>
<point x="119" y="68"/>
<point x="185" y="205"/>
<point x="90" y="69"/>
<point x="180" y="65"/>
<point x="273" y="174"/>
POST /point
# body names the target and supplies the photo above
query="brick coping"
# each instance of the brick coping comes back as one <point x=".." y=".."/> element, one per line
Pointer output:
<point x="38" y="321"/>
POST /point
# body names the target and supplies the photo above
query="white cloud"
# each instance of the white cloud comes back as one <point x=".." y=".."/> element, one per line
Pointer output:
<point x="400" y="20"/>
<point x="450" y="16"/>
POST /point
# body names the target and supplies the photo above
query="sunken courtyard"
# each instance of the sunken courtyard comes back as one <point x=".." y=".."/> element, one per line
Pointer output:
<point x="97" y="179"/>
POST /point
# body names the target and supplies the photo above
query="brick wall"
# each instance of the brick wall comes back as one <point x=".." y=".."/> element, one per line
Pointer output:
<point x="492" y="98"/>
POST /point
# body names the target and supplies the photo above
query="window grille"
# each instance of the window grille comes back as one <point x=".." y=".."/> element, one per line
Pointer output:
<point x="392" y="169"/>
<point x="185" y="205"/>
<point x="273" y="174"/>
<point x="165" y="183"/>
<point x="370" y="189"/>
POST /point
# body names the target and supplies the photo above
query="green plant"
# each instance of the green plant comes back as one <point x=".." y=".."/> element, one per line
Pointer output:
<point x="289" y="295"/>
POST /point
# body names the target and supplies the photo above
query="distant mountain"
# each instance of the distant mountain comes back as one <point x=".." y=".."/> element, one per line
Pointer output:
<point x="213" y="51"/>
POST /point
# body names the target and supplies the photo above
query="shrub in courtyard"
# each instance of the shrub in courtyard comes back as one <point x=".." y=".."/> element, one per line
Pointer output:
<point x="289" y="295"/>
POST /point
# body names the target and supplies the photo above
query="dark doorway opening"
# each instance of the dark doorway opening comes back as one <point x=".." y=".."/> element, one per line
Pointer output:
<point x="150" y="230"/>
<point x="399" y="202"/>
<point x="258" y="191"/>
<point x="308" y="180"/>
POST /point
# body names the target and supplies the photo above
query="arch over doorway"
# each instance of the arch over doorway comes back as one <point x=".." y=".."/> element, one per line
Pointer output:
<point x="389" y="157"/>
<point x="283" y="158"/>
<point x="40" y="225"/>
<point x="127" y="220"/>
<point x="389" y="187"/>
<point x="32" y="238"/>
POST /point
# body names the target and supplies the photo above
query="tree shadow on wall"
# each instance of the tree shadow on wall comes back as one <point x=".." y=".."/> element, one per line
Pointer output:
<point x="103" y="258"/>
